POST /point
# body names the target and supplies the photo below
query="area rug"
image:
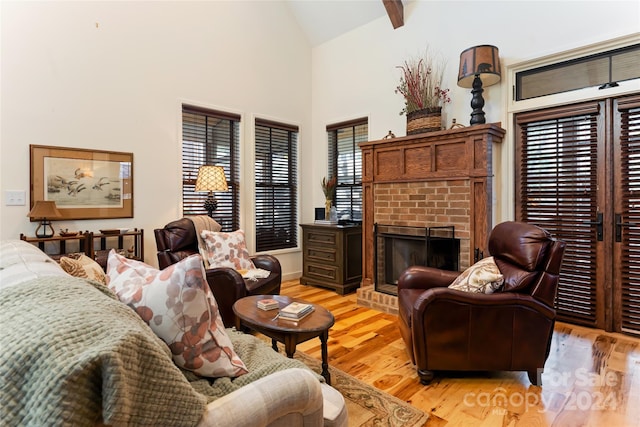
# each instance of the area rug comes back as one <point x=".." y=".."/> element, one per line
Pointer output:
<point x="367" y="405"/>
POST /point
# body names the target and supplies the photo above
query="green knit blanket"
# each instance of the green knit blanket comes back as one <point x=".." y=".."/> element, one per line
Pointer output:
<point x="72" y="354"/>
<point x="259" y="358"/>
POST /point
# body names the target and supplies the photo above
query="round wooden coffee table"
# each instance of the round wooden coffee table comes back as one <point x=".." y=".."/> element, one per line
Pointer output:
<point x="291" y="333"/>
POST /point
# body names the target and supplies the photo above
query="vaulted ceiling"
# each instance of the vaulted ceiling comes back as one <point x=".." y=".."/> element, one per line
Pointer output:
<point x="323" y="20"/>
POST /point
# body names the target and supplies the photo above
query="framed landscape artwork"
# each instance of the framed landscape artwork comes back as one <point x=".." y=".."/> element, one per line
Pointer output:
<point x="85" y="184"/>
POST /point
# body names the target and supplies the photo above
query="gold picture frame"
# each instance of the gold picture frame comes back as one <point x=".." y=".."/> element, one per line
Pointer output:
<point x="84" y="183"/>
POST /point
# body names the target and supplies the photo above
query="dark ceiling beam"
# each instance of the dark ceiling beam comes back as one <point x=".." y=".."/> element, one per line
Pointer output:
<point x="395" y="10"/>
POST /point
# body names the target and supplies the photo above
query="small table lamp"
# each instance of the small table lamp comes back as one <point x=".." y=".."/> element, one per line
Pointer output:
<point x="479" y="65"/>
<point x="211" y="178"/>
<point x="44" y="210"/>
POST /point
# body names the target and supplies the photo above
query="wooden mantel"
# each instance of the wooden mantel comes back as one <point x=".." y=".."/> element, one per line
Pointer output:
<point x="430" y="179"/>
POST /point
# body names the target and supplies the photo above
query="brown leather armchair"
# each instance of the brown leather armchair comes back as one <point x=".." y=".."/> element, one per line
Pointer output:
<point x="510" y="330"/>
<point x="178" y="240"/>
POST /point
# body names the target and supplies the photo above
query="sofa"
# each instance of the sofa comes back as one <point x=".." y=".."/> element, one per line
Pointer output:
<point x="179" y="239"/>
<point x="74" y="354"/>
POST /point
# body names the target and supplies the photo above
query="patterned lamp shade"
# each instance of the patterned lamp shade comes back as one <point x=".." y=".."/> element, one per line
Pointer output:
<point x="211" y="178"/>
<point x="481" y="61"/>
<point x="479" y="66"/>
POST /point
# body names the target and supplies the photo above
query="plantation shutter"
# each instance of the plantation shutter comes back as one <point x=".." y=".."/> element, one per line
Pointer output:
<point x="557" y="170"/>
<point x="211" y="138"/>
<point x="628" y="223"/>
<point x="276" y="181"/>
<point x="345" y="163"/>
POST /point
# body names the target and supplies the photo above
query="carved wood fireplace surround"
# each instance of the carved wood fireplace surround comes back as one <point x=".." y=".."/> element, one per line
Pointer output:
<point x="432" y="179"/>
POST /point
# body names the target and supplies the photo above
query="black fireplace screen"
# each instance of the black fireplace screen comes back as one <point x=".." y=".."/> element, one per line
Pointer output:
<point x="400" y="247"/>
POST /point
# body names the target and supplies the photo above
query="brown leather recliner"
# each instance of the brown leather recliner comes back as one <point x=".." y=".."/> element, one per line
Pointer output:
<point x="178" y="240"/>
<point x="510" y="330"/>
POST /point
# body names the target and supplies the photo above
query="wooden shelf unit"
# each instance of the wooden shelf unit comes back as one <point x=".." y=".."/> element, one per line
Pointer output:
<point x="45" y="244"/>
<point x="95" y="245"/>
<point x="101" y="244"/>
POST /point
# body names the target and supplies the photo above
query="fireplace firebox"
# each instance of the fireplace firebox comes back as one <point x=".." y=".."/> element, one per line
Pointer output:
<point x="399" y="247"/>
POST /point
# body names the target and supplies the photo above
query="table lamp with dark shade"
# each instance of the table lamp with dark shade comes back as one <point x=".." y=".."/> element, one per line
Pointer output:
<point x="479" y="66"/>
<point x="211" y="178"/>
<point x="44" y="210"/>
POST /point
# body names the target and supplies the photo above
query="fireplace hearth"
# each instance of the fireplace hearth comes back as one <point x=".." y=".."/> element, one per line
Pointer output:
<point x="400" y="247"/>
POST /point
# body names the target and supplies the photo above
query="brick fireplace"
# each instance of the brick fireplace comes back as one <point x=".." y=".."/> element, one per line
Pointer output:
<point x="433" y="179"/>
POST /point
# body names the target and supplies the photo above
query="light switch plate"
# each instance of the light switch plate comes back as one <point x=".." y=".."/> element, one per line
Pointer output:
<point x="15" y="197"/>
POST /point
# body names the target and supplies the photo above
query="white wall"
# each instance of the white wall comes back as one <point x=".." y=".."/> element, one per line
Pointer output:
<point x="356" y="74"/>
<point x="112" y="76"/>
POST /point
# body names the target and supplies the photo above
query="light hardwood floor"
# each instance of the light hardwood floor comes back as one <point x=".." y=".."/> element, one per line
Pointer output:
<point x="592" y="378"/>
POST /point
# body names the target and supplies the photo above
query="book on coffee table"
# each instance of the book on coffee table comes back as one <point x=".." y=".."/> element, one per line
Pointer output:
<point x="267" y="304"/>
<point x="294" y="319"/>
<point x="296" y="311"/>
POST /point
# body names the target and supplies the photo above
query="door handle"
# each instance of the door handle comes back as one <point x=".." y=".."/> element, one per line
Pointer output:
<point x="599" y="223"/>
<point x="478" y="254"/>
<point x="619" y="224"/>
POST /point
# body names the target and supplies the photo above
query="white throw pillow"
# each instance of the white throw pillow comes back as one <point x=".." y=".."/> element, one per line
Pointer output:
<point x="483" y="277"/>
<point x="21" y="261"/>
<point x="227" y="250"/>
<point x="178" y="305"/>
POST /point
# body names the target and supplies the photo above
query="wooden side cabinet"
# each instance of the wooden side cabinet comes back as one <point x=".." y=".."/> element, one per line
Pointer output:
<point x="332" y="256"/>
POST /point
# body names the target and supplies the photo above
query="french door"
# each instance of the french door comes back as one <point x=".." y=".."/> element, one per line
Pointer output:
<point x="578" y="176"/>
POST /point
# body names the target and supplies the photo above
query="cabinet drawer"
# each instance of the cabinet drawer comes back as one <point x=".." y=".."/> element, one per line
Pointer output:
<point x="322" y="272"/>
<point x="313" y="237"/>
<point x="322" y="255"/>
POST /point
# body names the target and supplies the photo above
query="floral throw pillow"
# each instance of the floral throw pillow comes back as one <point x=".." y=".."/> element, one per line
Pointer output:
<point x="178" y="305"/>
<point x="483" y="277"/>
<point x="227" y="250"/>
<point x="80" y="265"/>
